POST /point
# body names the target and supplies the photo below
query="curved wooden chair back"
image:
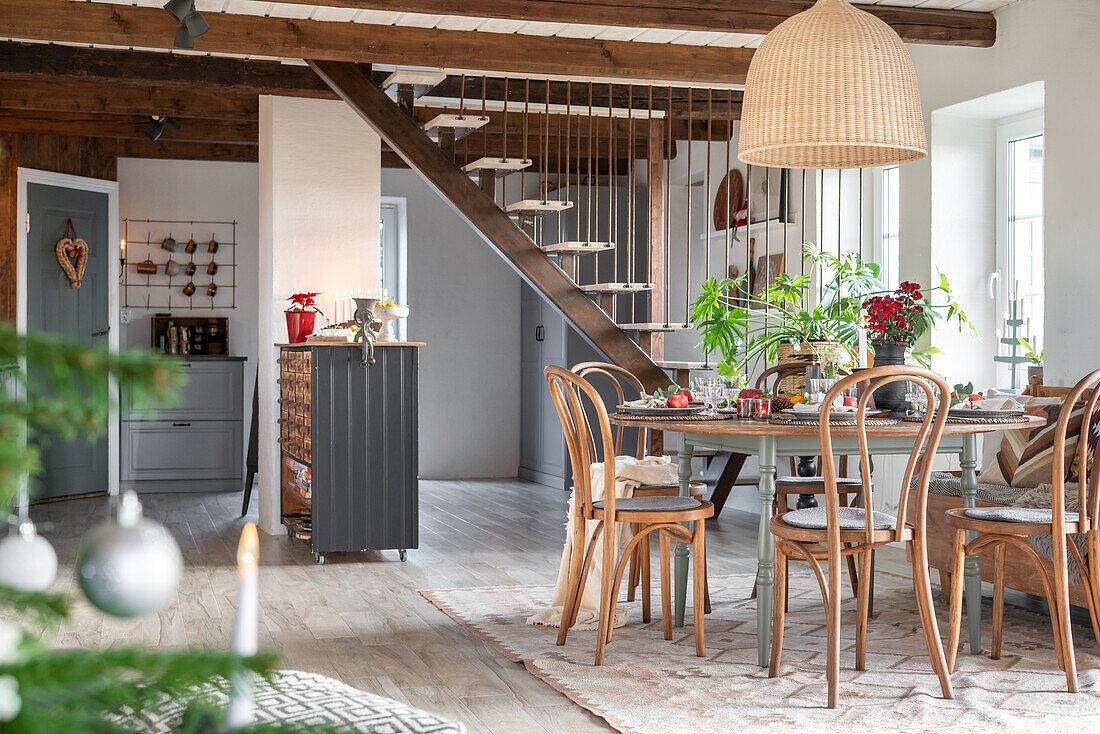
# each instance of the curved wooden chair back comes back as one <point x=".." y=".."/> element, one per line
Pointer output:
<point x="588" y="441"/>
<point x="617" y="376"/>
<point x="1086" y="392"/>
<point x="921" y="457"/>
<point x="780" y="372"/>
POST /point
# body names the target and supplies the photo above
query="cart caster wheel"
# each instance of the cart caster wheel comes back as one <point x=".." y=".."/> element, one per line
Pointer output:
<point x="403" y="554"/>
<point x="320" y="558"/>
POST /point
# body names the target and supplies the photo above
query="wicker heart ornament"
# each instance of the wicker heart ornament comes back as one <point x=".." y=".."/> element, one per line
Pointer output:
<point x="72" y="255"/>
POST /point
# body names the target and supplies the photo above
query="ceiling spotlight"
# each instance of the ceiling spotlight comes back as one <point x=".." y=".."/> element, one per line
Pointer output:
<point x="192" y="23"/>
<point x="159" y="125"/>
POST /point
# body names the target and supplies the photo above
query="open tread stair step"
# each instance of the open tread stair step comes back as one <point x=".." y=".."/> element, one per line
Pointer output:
<point x="575" y="247"/>
<point x="462" y="125"/>
<point x="616" y="287"/>
<point x="656" y="327"/>
<point x="537" y="206"/>
<point x="421" y="80"/>
<point x="501" y="165"/>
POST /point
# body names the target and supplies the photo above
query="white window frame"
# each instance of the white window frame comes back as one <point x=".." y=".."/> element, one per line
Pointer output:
<point x="394" y="265"/>
<point x="1009" y="129"/>
<point x="878" y="226"/>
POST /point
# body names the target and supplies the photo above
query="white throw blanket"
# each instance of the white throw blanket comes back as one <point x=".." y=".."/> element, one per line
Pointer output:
<point x="629" y="473"/>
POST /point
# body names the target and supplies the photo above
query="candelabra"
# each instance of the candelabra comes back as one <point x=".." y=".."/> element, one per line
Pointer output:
<point x="1010" y="336"/>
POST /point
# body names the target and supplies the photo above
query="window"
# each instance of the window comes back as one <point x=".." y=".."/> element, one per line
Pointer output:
<point x="1020" y="234"/>
<point x="393" y="257"/>
<point x="889" y="256"/>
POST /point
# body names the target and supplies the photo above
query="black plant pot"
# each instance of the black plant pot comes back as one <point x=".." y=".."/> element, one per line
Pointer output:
<point x="892" y="396"/>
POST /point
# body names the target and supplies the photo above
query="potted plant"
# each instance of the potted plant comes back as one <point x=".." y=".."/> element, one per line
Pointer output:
<point x="300" y="316"/>
<point x="1033" y="353"/>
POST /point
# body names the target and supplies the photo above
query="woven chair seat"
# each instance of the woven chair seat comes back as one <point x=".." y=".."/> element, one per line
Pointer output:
<point x="851" y="518"/>
<point x="652" y="504"/>
<point x="1033" y="515"/>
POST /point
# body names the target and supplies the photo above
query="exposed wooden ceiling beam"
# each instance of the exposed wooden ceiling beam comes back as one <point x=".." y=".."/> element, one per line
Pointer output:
<point x="124" y="25"/>
<point x="93" y="97"/>
<point x="915" y="25"/>
<point x="167" y="73"/>
<point x="175" y="150"/>
<point x="126" y="126"/>
<point x="39" y="61"/>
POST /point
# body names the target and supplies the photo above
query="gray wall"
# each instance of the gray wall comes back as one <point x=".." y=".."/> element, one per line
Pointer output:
<point x="466" y="305"/>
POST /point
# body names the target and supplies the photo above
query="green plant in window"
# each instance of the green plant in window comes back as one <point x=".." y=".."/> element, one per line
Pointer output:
<point x="1031" y="351"/>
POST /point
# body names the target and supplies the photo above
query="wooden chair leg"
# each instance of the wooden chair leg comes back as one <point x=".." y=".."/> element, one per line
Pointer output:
<point x="854" y="576"/>
<point x="863" y="598"/>
<point x="779" y="608"/>
<point x="608" y="592"/>
<point x="706" y="587"/>
<point x="644" y="551"/>
<point x="578" y="553"/>
<point x="923" y="587"/>
<point x="945" y="586"/>
<point x="699" y="577"/>
<point x="666" y="585"/>
<point x="832" y="656"/>
<point x="998" y="601"/>
<point x="1065" y="630"/>
<point x="959" y="556"/>
<point x="635" y="567"/>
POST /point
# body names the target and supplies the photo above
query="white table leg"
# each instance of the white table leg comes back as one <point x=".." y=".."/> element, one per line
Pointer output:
<point x="765" y="552"/>
<point x="681" y="552"/>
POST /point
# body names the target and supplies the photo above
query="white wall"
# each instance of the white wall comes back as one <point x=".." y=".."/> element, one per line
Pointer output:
<point x="466" y="305"/>
<point x="320" y="181"/>
<point x="207" y="190"/>
<point x="1053" y="41"/>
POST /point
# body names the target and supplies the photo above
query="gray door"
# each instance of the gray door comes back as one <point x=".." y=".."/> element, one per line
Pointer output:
<point x="78" y="314"/>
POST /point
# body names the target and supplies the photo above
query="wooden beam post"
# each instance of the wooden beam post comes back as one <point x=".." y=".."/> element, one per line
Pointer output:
<point x="488" y="220"/>
<point x="655" y="162"/>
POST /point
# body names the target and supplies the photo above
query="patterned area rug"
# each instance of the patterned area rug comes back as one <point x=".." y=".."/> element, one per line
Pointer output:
<point x="650" y="685"/>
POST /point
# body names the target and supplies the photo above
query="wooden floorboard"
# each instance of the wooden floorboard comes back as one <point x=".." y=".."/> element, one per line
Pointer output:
<point x="360" y="617"/>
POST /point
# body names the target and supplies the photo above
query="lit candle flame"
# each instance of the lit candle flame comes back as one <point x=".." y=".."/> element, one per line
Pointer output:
<point x="248" y="550"/>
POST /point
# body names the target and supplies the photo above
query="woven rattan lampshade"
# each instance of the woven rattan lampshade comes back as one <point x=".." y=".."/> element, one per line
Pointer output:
<point x="831" y="87"/>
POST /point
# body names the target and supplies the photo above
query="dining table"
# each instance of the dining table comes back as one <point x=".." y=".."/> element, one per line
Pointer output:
<point x="770" y="440"/>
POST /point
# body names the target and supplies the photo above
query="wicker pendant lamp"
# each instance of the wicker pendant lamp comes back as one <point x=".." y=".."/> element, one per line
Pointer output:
<point x="831" y="87"/>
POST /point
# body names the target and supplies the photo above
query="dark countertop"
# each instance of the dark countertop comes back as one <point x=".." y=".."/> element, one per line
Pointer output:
<point x="208" y="357"/>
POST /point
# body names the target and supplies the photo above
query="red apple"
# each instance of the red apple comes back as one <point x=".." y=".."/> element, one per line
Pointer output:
<point x="975" y="398"/>
<point x="850" y="402"/>
<point x="679" y="400"/>
<point x="688" y="394"/>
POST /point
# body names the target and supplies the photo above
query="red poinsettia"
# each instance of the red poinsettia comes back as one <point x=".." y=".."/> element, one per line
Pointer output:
<point x="894" y="317"/>
<point x="305" y="302"/>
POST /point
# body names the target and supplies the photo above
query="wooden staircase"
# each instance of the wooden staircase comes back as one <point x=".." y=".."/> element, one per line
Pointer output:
<point x="549" y="269"/>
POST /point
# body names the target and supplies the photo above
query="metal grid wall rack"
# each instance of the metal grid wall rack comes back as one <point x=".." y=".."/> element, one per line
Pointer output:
<point x="143" y="238"/>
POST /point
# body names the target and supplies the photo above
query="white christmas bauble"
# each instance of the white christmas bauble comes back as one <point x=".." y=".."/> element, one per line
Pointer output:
<point x="129" y="566"/>
<point x="27" y="560"/>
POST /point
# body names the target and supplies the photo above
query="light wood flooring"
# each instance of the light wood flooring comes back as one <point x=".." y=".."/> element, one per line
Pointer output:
<point x="359" y="618"/>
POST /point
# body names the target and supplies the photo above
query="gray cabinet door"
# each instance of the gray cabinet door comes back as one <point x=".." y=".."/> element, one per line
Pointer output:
<point x="168" y="450"/>
<point x="211" y="391"/>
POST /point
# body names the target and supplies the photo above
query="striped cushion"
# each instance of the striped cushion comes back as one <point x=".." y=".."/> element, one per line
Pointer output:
<point x="1026" y="457"/>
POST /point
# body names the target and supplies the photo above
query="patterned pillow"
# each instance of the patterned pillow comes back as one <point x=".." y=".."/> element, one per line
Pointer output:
<point x="1026" y="457"/>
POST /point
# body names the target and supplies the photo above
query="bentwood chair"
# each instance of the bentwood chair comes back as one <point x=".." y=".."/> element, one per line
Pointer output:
<point x="575" y="400"/>
<point x="795" y="485"/>
<point x="998" y="527"/>
<point x="616" y="377"/>
<point x="856" y="531"/>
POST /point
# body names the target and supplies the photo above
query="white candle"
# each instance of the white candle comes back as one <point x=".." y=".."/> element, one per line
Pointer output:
<point x="245" y="626"/>
<point x="862" y="342"/>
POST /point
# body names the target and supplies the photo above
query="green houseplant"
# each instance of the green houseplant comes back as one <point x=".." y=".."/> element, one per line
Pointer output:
<point x="748" y="330"/>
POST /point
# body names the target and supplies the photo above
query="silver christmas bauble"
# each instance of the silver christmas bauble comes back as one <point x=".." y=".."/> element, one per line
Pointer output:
<point x="27" y="560"/>
<point x="129" y="566"/>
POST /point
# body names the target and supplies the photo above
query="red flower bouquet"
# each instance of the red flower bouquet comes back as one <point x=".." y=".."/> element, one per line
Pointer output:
<point x="300" y="316"/>
<point x="896" y="316"/>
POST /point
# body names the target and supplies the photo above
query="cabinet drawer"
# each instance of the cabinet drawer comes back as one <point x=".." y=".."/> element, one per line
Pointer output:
<point x="181" y="450"/>
<point x="210" y="391"/>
